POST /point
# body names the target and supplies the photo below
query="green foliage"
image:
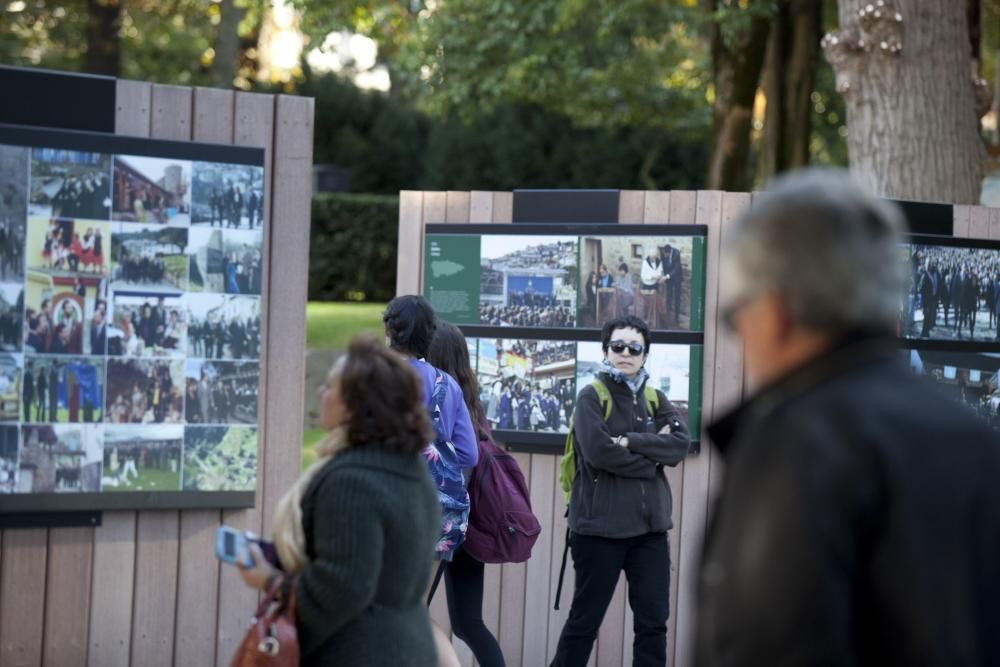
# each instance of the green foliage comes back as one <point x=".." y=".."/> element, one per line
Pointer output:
<point x="221" y="458"/>
<point x="352" y="254"/>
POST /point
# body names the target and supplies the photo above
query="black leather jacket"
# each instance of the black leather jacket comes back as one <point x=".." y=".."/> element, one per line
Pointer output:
<point x="859" y="523"/>
<point x="622" y="492"/>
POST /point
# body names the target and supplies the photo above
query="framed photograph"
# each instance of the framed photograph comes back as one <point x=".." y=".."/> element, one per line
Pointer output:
<point x="225" y="261"/>
<point x="222" y="326"/>
<point x="221" y="392"/>
<point x="149" y="257"/>
<point x="143" y="458"/>
<point x="228" y="195"/>
<point x="220" y="458"/>
<point x="144" y="391"/>
<point x="11" y="367"/>
<point x="14" y="161"/>
<point x="63" y="390"/>
<point x="152" y="190"/>
<point x="70" y="184"/>
<point x="528" y="281"/>
<point x="10" y="444"/>
<point x="971" y="378"/>
<point x="60" y="458"/>
<point x="68" y="247"/>
<point x="11" y="316"/>
<point x="147" y="324"/>
<point x="58" y="314"/>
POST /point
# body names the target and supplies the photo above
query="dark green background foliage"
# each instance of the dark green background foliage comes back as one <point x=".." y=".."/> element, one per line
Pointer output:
<point x="352" y="255"/>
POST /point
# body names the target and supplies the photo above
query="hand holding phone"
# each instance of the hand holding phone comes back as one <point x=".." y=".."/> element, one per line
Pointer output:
<point x="231" y="546"/>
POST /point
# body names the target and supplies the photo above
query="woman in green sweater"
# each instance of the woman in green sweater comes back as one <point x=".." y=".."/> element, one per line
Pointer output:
<point x="359" y="528"/>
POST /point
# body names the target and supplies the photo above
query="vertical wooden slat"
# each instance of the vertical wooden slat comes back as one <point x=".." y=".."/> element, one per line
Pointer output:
<point x="611" y="637"/>
<point x="682" y="207"/>
<point x="112" y="582"/>
<point x="457" y="206"/>
<point x="513" y="593"/>
<point x="253" y="125"/>
<point x="656" y="207"/>
<point x="994" y="230"/>
<point x="536" y="603"/>
<point x="112" y="590"/>
<point x="480" y="206"/>
<point x="694" y="505"/>
<point x="961" y="220"/>
<point x="22" y="591"/>
<point x="631" y="204"/>
<point x="557" y="619"/>
<point x="409" y="265"/>
<point x="979" y="222"/>
<point x="503" y="206"/>
<point x="67" y="596"/>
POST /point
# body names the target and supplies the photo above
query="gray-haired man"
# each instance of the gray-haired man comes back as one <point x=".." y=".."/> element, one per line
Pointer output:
<point x="860" y="518"/>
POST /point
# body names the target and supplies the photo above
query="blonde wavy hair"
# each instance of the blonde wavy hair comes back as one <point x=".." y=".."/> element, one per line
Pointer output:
<point x="289" y="536"/>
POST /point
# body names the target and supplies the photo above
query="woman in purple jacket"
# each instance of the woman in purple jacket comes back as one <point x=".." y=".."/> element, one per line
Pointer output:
<point x="410" y="323"/>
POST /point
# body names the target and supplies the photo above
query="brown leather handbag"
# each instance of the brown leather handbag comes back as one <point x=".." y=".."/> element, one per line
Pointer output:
<point x="271" y="640"/>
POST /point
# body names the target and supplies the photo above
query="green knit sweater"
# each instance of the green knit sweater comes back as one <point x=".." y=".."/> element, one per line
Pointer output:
<point x="371" y="520"/>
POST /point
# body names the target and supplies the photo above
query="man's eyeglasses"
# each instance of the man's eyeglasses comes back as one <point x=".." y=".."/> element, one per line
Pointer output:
<point x="620" y="346"/>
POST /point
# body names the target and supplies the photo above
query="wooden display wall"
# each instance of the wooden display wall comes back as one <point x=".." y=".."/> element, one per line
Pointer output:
<point x="518" y="598"/>
<point x="145" y="588"/>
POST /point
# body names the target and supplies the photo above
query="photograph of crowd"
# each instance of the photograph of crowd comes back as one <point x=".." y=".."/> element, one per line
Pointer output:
<point x="222" y="326"/>
<point x="220" y="458"/>
<point x="150" y="189"/>
<point x="648" y="277"/>
<point x="230" y="195"/>
<point x="148" y="256"/>
<point x="68" y="246"/>
<point x="13" y="210"/>
<point x="63" y="390"/>
<point x="224" y="260"/>
<point x="10" y="387"/>
<point x="954" y="293"/>
<point x="143" y="458"/>
<point x="528" y="281"/>
<point x="11" y="309"/>
<point x="70" y="184"/>
<point x="527" y="385"/>
<point x="147" y="325"/>
<point x="55" y="322"/>
<point x="10" y="437"/>
<point x="969" y="378"/>
<point x="221" y="392"/>
<point x="144" y="391"/>
<point x="60" y="458"/>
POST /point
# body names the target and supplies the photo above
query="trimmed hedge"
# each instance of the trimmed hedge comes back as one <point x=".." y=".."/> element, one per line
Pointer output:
<point x="352" y="252"/>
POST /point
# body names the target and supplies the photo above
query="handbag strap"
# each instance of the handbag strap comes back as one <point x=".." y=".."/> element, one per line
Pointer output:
<point x="274" y="595"/>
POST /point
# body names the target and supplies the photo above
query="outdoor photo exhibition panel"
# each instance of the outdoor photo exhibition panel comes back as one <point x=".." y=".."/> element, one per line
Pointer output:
<point x="531" y="300"/>
<point x="130" y="319"/>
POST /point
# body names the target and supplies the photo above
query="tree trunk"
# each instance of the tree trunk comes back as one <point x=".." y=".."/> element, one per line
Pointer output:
<point x="908" y="89"/>
<point x="103" y="43"/>
<point x="789" y="76"/>
<point x="736" y="71"/>
<point x="227" y="44"/>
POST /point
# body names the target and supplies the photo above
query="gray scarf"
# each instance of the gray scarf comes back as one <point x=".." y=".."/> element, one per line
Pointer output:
<point x="634" y="384"/>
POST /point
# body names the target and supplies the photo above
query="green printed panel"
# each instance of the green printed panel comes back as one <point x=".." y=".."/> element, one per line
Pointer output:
<point x="694" y="391"/>
<point x="698" y="283"/>
<point x="451" y="276"/>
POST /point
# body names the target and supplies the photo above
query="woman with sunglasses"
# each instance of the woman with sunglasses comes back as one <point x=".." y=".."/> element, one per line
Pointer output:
<point x="619" y="509"/>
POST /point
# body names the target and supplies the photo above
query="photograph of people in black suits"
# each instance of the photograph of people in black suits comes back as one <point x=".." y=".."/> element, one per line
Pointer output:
<point x="528" y="281"/>
<point x="222" y="326"/>
<point x="221" y="392"/>
<point x="649" y="277"/>
<point x="63" y="390"/>
<point x="13" y="210"/>
<point x="230" y="195"/>
<point x="147" y="325"/>
<point x="70" y="184"/>
<point x="11" y="309"/>
<point x="147" y="256"/>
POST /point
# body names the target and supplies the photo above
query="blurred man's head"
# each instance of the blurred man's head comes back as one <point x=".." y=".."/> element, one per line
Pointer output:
<point x="816" y="258"/>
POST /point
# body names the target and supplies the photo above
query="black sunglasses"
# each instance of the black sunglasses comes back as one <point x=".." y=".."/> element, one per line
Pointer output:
<point x="620" y="346"/>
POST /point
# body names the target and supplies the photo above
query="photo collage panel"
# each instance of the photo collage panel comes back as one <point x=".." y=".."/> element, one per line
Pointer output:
<point x="130" y="319"/>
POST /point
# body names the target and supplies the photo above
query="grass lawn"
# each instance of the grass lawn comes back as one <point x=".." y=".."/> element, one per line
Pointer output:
<point x="150" y="479"/>
<point x="331" y="325"/>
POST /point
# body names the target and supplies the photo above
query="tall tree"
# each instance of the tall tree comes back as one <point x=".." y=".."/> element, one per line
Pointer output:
<point x="103" y="44"/>
<point x="905" y="72"/>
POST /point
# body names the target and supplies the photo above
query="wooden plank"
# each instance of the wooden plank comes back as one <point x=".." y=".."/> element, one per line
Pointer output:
<point x="512" y="594"/>
<point x="457" y="207"/>
<point x="694" y="506"/>
<point x="111" y="590"/>
<point x="631" y="204"/>
<point x="481" y="206"/>
<point x="961" y="215"/>
<point x="491" y="598"/>
<point x="154" y="606"/>
<point x="171" y="117"/>
<point x="539" y="570"/>
<point x="557" y="618"/>
<point x="411" y="235"/>
<point x="994" y="231"/>
<point x="611" y="636"/>
<point x="656" y="207"/>
<point x="503" y="206"/>
<point x="979" y="222"/>
<point x="67" y="596"/>
<point x="435" y="208"/>
<point x="287" y="295"/>
<point x="213" y="113"/>
<point x="253" y="125"/>
<point x="682" y="207"/>
<point x="113" y="578"/>
<point x="22" y="596"/>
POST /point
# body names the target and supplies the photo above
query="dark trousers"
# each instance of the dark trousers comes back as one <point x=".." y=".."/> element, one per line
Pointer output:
<point x="463" y="584"/>
<point x="598" y="562"/>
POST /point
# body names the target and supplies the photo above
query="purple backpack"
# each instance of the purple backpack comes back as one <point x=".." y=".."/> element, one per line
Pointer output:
<point x="502" y="527"/>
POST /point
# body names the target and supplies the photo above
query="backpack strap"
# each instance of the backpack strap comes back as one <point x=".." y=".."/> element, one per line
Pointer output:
<point x="652" y="399"/>
<point x="604" y="396"/>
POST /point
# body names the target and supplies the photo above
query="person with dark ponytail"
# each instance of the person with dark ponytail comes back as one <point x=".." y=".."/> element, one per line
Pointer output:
<point x="464" y="575"/>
